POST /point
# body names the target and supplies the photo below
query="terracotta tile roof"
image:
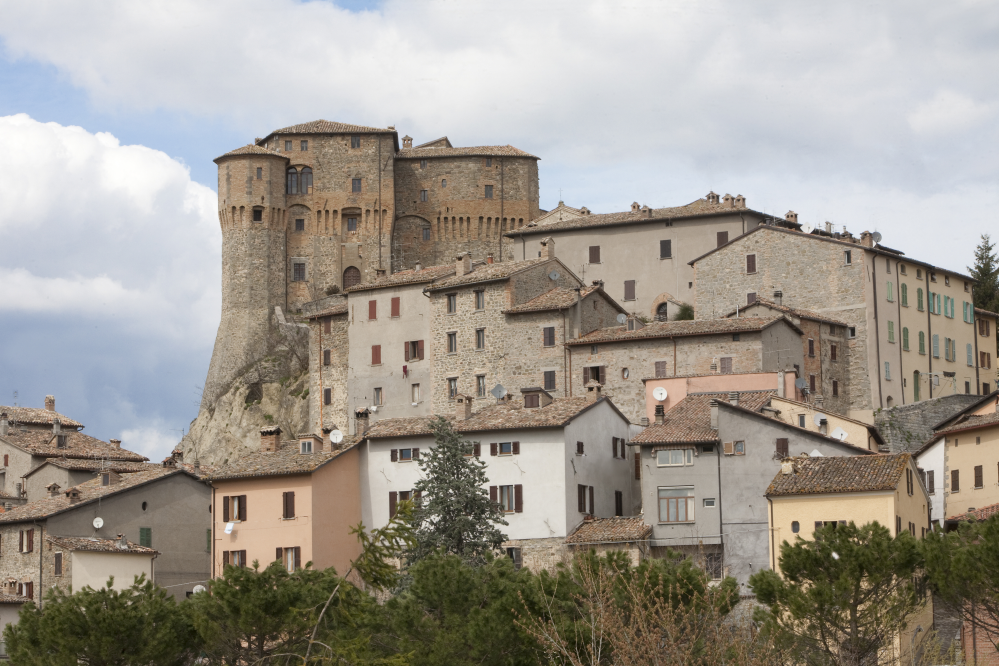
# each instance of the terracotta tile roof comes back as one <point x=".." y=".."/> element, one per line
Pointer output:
<point x="91" y="491"/>
<point x="286" y="460"/>
<point x="986" y="312"/>
<point x="330" y="127"/>
<point x="676" y="329"/>
<point x="689" y="422"/>
<point x="428" y="274"/>
<point x="801" y="313"/>
<point x="840" y="474"/>
<point x="506" y="416"/>
<point x="558" y="214"/>
<point x="699" y="208"/>
<point x="984" y="513"/>
<point x="325" y="307"/>
<point x="35" y="416"/>
<point x="487" y="273"/>
<point x="78" y="445"/>
<point x="969" y="422"/>
<point x="250" y="149"/>
<point x="470" y="151"/>
<point x="559" y="298"/>
<point x="13" y="599"/>
<point x="95" y="545"/>
<point x="609" y="530"/>
<point x="94" y="465"/>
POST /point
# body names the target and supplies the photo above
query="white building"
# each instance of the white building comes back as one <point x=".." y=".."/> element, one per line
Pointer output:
<point x="549" y="463"/>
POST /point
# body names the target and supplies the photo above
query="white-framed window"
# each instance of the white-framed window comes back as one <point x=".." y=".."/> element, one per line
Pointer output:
<point x="676" y="504"/>
<point x="379" y="396"/>
<point x="709" y="502"/>
<point x="405" y="455"/>
<point x="675" y="458"/>
<point x="505" y="449"/>
<point x="415" y="393"/>
<point x="506" y="499"/>
<point x="306" y="445"/>
<point x="452" y="387"/>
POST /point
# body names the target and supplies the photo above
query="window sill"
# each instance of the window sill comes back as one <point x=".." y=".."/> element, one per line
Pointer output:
<point x="376" y="365"/>
<point x="450" y="313"/>
<point x="663" y="258"/>
<point x="480" y="350"/>
<point x="684" y="522"/>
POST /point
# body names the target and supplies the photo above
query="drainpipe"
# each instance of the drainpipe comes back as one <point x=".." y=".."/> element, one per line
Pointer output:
<point x="213" y="530"/>
<point x="773" y="555"/>
<point x="929" y="333"/>
<point x="566" y="362"/>
<point x="898" y="310"/>
<point x="320" y="364"/>
<point x="877" y="330"/>
<point x="41" y="567"/>
<point x="721" y="503"/>
<point x="579" y="313"/>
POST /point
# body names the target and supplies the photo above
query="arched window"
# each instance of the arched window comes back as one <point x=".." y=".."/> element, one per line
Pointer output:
<point x="306" y="180"/>
<point x="661" y="312"/>
<point x="292" y="187"/>
<point x="351" y="276"/>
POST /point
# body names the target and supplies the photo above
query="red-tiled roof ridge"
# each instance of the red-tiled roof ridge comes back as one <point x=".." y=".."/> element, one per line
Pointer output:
<point x="463" y="151"/>
<point x="328" y="127"/>
<point x="78" y="445"/>
<point x="496" y="272"/>
<point x="560" y="298"/>
<point x="36" y="416"/>
<point x="840" y="474"/>
<point x="619" y="529"/>
<point x="682" y="328"/>
<point x="410" y="276"/>
<point x="984" y="513"/>
<point x="249" y="149"/>
<point x="799" y="312"/>
<point x="97" y="544"/>
<point x="969" y="422"/>
<point x="689" y="421"/>
<point x="287" y="460"/>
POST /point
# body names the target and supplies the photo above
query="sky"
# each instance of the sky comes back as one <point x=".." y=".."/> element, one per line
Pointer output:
<point x="873" y="115"/>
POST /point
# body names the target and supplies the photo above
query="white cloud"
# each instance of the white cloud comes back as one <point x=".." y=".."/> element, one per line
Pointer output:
<point x="93" y="228"/>
<point x="154" y="441"/>
<point x="949" y="111"/>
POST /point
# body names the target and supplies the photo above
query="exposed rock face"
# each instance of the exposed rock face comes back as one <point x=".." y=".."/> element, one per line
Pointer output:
<point x="272" y="391"/>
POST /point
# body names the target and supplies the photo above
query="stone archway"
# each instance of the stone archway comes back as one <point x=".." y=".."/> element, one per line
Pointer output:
<point x="413" y="240"/>
<point x="351" y="276"/>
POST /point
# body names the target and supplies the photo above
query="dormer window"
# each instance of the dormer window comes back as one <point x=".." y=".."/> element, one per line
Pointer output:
<point x="306" y="445"/>
<point x="532" y="400"/>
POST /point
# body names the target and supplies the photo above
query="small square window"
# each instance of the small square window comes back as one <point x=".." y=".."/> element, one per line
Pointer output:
<point x="580" y="449"/>
<point x="306" y="445"/>
<point x="549" y="380"/>
<point x="355" y="142"/>
<point x="405" y="454"/>
<point x="298" y="274"/>
<point x="452" y="387"/>
<point x="414" y="392"/>
<point x="260" y="173"/>
<point x="946" y="280"/>
<point x="258" y="214"/>
<point x="423" y="164"/>
<point x="426" y="233"/>
<point x="300" y="225"/>
<point x="287" y="146"/>
<point x="352" y="225"/>
<point x="480" y="300"/>
<point x="355" y="185"/>
<point x="851" y="331"/>
<point x="709" y="502"/>
<point x="305" y="145"/>
<point x="506" y="448"/>
<point x="847" y="257"/>
<point x="423" y="195"/>
<point x="593" y="350"/>
<point x="443" y="182"/>
<point x="735" y="337"/>
<point x="489" y="191"/>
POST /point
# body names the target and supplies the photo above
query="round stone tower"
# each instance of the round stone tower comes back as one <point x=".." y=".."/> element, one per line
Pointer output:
<point x="252" y="211"/>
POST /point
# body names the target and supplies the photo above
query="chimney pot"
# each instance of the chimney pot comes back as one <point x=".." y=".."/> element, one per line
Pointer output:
<point x="489" y="259"/>
<point x="463" y="407"/>
<point x="593" y="391"/>
<point x="635" y="207"/>
<point x="418" y="266"/>
<point x="733" y="398"/>
<point x="712" y="198"/>
<point x="116" y="443"/>
<point x="660" y="414"/>
<point x="714" y="414"/>
<point x="122" y="542"/>
<point x="463" y="264"/>
<point x="548" y="248"/>
<point x="50" y="403"/>
<point x="362" y="420"/>
<point x="866" y="239"/>
<point x="4" y="424"/>
<point x="728" y="201"/>
<point x="270" y="439"/>
<point x="791" y="217"/>
<point x="407" y="141"/>
<point x="740" y="201"/>
<point x="54" y="489"/>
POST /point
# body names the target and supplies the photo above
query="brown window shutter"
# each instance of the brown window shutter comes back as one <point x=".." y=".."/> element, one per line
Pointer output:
<point x="518" y="498"/>
<point x="225" y="509"/>
<point x="515" y="446"/>
<point x="586" y="376"/>
<point x="618" y="503"/>
<point x="750" y="263"/>
<point x="31" y="540"/>
<point x="393" y="500"/>
<point x="832" y="352"/>
<point x="284" y="505"/>
<point x="638" y="465"/>
<point x="279" y="553"/>
<point x="592" y="509"/>
<point x="416" y="454"/>
<point x="603" y="374"/>
<point x="477" y="449"/>
<point x="594" y="254"/>
<point x="372" y="309"/>
<point x="722" y="238"/>
<point x="376" y="354"/>
<point x="405" y="350"/>
<point x="298" y="558"/>
<point x="419" y="350"/>
<point x="395" y="306"/>
<point x="978" y="477"/>
<point x="326" y="325"/>
<point x="291" y="502"/>
<point x="20" y="542"/>
<point x="782" y="446"/>
<point x="614" y="446"/>
<point x="242" y="507"/>
<point x="492" y="448"/>
<point x="728" y="448"/>
<point x="58" y="564"/>
<point x="581" y="498"/>
<point x="395" y="455"/>
<point x="493" y="494"/>
<point x="955" y="481"/>
<point x="929" y="482"/>
<point x="811" y="383"/>
<point x="326" y="357"/>
<point x="726" y="365"/>
<point x="660" y="368"/>
<point x="225" y="557"/>
<point x="629" y="290"/>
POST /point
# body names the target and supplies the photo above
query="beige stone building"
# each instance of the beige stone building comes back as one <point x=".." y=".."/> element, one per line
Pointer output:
<point x="909" y="325"/>
<point x="814" y="417"/>
<point x="621" y="357"/>
<point x="641" y="255"/>
<point x="986" y="324"/>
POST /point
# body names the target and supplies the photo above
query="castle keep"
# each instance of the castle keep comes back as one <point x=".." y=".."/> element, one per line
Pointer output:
<point x="315" y="208"/>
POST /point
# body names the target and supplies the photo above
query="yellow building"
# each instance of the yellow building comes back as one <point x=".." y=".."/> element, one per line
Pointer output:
<point x="985" y="327"/>
<point x="808" y="493"/>
<point x="971" y="449"/>
<point x="811" y="417"/>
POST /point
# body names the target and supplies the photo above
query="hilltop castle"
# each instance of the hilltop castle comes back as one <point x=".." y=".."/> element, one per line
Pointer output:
<point x="314" y="208"/>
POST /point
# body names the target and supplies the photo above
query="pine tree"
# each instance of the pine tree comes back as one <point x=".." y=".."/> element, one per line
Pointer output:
<point x="986" y="271"/>
<point x="454" y="514"/>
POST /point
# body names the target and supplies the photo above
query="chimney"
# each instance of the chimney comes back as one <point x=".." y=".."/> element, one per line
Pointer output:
<point x="418" y="267"/>
<point x="787" y="467"/>
<point x="548" y="248"/>
<point x="4" y="424"/>
<point x="178" y="455"/>
<point x="50" y="403"/>
<point x="489" y="258"/>
<point x="791" y="217"/>
<point x="728" y="201"/>
<point x="866" y="239"/>
<point x="463" y="264"/>
<point x="635" y="207"/>
<point x="122" y="542"/>
<point x="646" y="211"/>
<point x="197" y="466"/>
<point x="660" y="414"/>
<point x="577" y="315"/>
<point x="270" y="439"/>
<point x="829" y="228"/>
<point x="462" y="407"/>
<point x="818" y="402"/>
<point x="712" y="198"/>
<point x="407" y="141"/>
<point x="74" y="495"/>
<point x="740" y="201"/>
<point x="54" y="489"/>
<point x="593" y="390"/>
<point x="714" y="414"/>
<point x="56" y="426"/>
<point x="733" y="398"/>
<point x="361" y="422"/>
<point x="584" y="211"/>
<point x="20" y="493"/>
<point x="780" y="383"/>
<point x="327" y="442"/>
<point x="779" y="297"/>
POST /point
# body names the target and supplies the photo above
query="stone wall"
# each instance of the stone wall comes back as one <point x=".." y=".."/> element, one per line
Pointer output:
<point x="541" y="554"/>
<point x="908" y="427"/>
<point x="328" y="333"/>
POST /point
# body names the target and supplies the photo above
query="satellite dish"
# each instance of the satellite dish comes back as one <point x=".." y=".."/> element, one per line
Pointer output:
<point x="819" y="418"/>
<point x="839" y="434"/>
<point x="373" y="408"/>
<point x="498" y="392"/>
<point x="199" y="588"/>
<point x="876" y="237"/>
<point x="659" y="393"/>
<point x="622" y="318"/>
<point x="98" y="523"/>
<point x="554" y="275"/>
<point x="336" y="436"/>
<point x="807" y="228"/>
<point x="800" y="383"/>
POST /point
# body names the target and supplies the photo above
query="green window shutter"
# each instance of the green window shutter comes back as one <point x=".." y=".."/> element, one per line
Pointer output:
<point x="905" y="338"/>
<point x="936" y="346"/>
<point x="890" y="292"/>
<point x="891" y="331"/>
<point x="146" y="537"/>
<point x="922" y="342"/>
<point x="208" y="540"/>
<point x="970" y="356"/>
<point x="919" y="299"/>
<point x="904" y="289"/>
